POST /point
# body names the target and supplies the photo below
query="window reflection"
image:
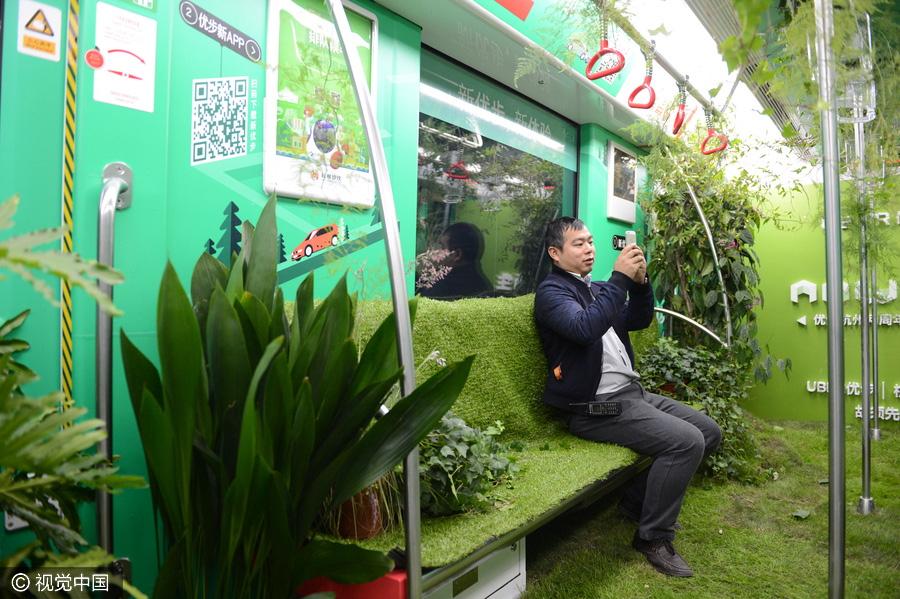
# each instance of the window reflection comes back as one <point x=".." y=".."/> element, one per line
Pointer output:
<point x="482" y="207"/>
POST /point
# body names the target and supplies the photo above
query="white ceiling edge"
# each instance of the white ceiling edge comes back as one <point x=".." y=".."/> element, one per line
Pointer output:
<point x="465" y="32"/>
<point x="468" y="33"/>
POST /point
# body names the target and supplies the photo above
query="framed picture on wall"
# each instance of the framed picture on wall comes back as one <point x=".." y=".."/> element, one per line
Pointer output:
<point x="621" y="197"/>
<point x="314" y="144"/>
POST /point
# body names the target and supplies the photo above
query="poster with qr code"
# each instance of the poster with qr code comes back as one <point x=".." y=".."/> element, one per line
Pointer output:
<point x="219" y="119"/>
<point x="315" y="145"/>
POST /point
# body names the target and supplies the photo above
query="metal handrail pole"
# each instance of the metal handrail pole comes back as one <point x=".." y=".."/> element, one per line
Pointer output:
<point x="412" y="515"/>
<point x="693" y="322"/>
<point x="712" y="248"/>
<point x="866" y="504"/>
<point x="109" y="198"/>
<point x="688" y="87"/>
<point x="831" y="179"/>
<point x="876" y="430"/>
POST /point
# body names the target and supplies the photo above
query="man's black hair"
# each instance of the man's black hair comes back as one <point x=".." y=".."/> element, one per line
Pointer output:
<point x="555" y="234"/>
<point x="467" y="238"/>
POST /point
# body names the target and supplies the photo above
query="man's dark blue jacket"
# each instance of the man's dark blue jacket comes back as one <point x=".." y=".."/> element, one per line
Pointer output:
<point x="571" y="324"/>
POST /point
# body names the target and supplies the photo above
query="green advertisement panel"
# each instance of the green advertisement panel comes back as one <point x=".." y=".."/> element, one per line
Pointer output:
<point x="793" y="322"/>
<point x="315" y="143"/>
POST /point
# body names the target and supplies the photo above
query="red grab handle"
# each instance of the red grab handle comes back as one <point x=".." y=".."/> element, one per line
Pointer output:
<point x="679" y="120"/>
<point x="604" y="49"/>
<point x="711" y="134"/>
<point x="459" y="166"/>
<point x="637" y="90"/>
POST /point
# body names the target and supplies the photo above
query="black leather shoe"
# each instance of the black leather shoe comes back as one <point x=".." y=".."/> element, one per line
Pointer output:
<point x="662" y="556"/>
<point x="633" y="513"/>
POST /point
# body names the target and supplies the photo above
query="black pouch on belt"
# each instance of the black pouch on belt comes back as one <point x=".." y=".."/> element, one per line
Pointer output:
<point x="598" y="408"/>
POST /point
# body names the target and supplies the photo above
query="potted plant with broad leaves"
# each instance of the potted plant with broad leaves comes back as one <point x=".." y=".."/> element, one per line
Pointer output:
<point x="254" y="428"/>
<point x="46" y="468"/>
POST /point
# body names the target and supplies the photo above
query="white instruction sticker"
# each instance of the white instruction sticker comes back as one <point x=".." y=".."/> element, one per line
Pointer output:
<point x="127" y="43"/>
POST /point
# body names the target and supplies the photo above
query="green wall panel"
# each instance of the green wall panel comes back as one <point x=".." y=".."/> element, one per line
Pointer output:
<point x="31" y="128"/>
<point x="592" y="195"/>
<point x="788" y="257"/>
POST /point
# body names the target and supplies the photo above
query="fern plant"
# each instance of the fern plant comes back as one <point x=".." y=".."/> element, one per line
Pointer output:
<point x="19" y="255"/>
<point x="46" y="469"/>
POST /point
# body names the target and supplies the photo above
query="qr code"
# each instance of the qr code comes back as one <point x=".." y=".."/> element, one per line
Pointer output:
<point x="219" y="119"/>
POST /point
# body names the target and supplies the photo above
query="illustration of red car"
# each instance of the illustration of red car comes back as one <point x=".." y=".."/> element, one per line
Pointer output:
<point x="317" y="239"/>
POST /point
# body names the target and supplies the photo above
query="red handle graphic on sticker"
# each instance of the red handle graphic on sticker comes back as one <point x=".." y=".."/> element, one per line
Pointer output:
<point x="113" y="51"/>
<point x="604" y="50"/>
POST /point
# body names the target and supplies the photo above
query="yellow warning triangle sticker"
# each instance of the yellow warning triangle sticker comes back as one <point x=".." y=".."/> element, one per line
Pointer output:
<point x="38" y="22"/>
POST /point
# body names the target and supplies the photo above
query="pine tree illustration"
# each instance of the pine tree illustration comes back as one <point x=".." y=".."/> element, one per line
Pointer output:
<point x="282" y="256"/>
<point x="210" y="247"/>
<point x="231" y="240"/>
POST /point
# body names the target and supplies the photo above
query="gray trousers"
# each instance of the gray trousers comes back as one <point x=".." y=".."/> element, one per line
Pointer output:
<point x="676" y="436"/>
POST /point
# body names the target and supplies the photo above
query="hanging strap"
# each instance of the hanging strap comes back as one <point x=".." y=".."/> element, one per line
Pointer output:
<point x="711" y="133"/>
<point x="682" y="102"/>
<point x="604" y="50"/>
<point x="648" y="75"/>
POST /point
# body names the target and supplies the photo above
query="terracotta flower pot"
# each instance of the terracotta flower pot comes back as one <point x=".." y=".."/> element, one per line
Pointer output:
<point x="667" y="389"/>
<point x="360" y="516"/>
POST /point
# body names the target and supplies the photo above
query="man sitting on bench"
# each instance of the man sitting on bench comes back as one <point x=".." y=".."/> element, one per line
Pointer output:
<point x="584" y="328"/>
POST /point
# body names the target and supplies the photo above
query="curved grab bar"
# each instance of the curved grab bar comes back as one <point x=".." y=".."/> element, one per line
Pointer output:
<point x="712" y="248"/>
<point x="116" y="195"/>
<point x="400" y="296"/>
<point x="693" y="322"/>
<point x="603" y="51"/>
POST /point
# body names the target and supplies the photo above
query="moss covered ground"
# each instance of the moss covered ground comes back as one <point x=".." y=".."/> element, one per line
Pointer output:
<point x="743" y="541"/>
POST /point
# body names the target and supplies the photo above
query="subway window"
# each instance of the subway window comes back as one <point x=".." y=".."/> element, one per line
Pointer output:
<point x="493" y="169"/>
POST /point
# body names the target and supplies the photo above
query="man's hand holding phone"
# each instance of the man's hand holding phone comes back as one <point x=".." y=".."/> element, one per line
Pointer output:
<point x="631" y="261"/>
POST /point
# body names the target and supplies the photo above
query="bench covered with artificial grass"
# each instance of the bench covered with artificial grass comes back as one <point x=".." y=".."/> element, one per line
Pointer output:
<point x="558" y="470"/>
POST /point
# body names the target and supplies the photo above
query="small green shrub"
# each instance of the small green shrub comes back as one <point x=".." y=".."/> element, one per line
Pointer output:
<point x="715" y="382"/>
<point x="461" y="467"/>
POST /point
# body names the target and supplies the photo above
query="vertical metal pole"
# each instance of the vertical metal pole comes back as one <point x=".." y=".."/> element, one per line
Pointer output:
<point x="866" y="504"/>
<point x="397" y="272"/>
<point x="116" y="181"/>
<point x="834" y="277"/>
<point x="876" y="430"/>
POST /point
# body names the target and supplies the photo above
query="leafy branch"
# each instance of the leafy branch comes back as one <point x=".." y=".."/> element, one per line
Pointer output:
<point x="18" y="254"/>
